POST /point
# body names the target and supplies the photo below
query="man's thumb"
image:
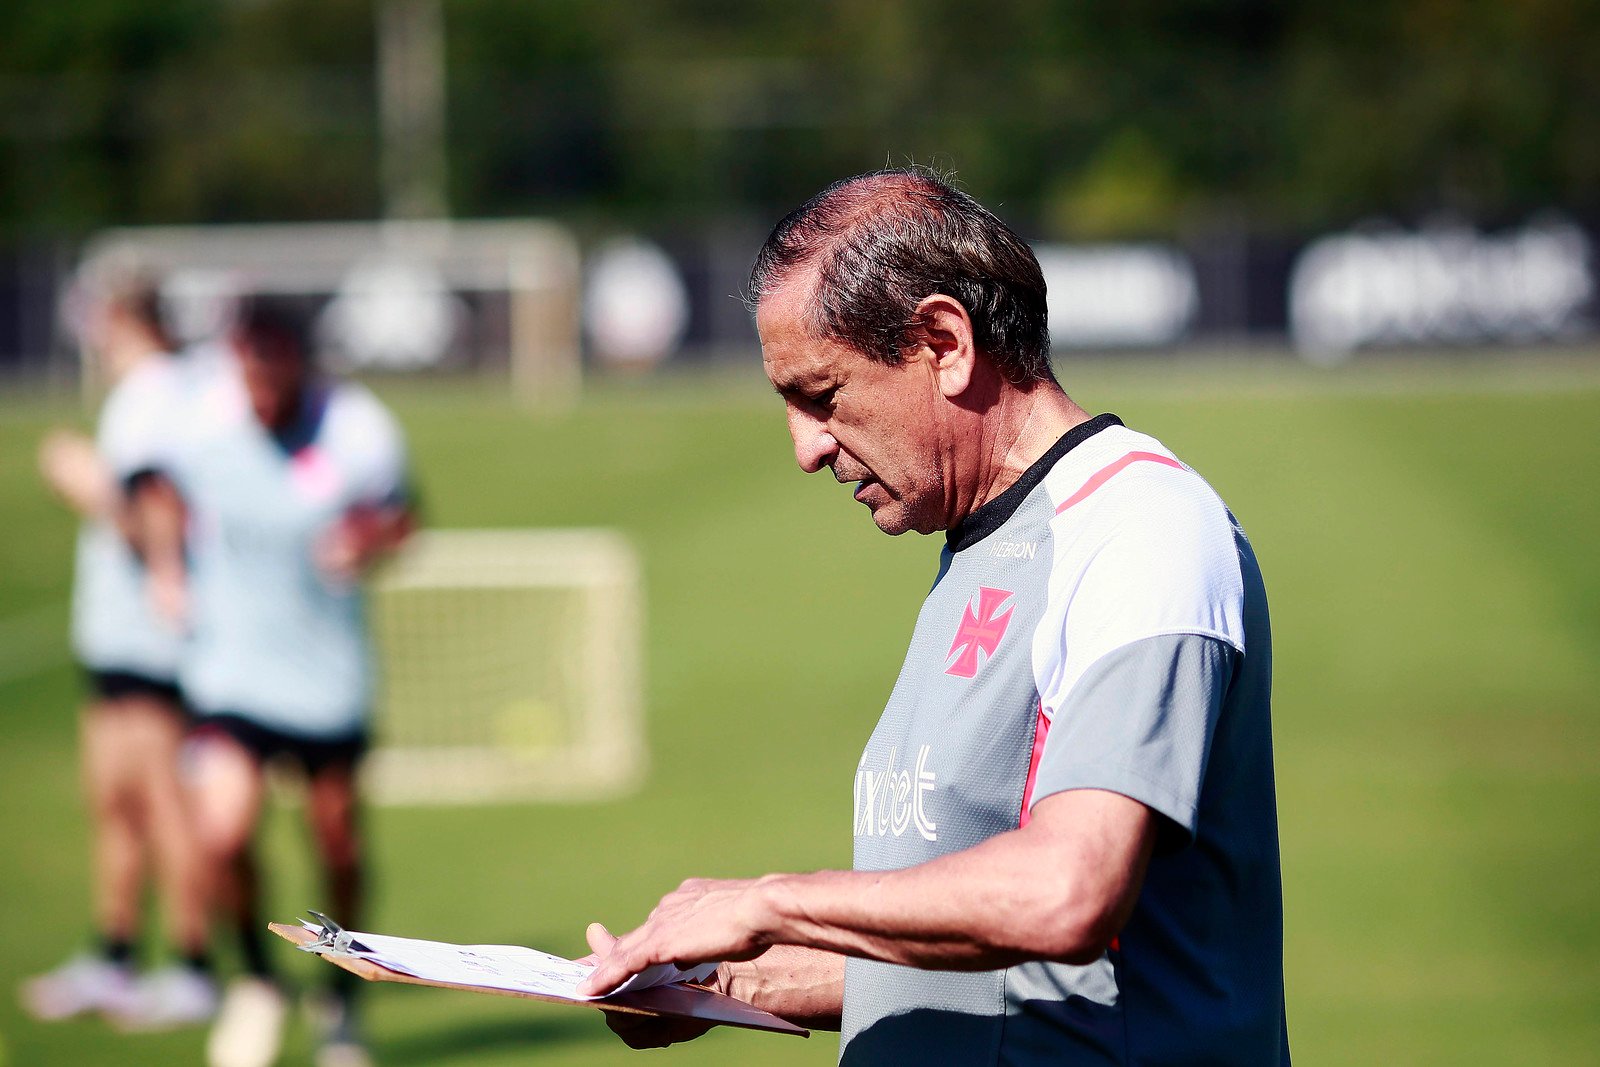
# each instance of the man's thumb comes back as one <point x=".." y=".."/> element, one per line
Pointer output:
<point x="600" y="939"/>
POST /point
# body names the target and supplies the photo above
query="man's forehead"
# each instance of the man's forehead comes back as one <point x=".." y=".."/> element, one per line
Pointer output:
<point x="783" y="307"/>
<point x="792" y="354"/>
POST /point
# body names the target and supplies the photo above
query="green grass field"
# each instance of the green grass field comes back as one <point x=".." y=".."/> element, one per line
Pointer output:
<point x="1431" y="541"/>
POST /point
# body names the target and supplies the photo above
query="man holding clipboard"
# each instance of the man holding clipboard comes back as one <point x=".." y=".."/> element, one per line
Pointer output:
<point x="1065" y="824"/>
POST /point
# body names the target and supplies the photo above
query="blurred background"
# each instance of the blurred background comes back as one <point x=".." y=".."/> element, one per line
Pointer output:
<point x="1341" y="258"/>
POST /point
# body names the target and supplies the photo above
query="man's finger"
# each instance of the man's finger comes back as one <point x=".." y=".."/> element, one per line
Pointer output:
<point x="605" y="977"/>
<point x="600" y="939"/>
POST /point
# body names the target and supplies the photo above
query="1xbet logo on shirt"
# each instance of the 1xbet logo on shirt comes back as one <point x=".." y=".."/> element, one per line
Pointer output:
<point x="893" y="800"/>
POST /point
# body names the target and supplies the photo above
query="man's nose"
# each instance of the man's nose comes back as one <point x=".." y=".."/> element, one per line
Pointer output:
<point x="814" y="446"/>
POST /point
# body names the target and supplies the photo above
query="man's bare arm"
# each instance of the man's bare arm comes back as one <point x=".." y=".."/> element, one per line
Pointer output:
<point x="364" y="535"/>
<point x="156" y="525"/>
<point x="1058" y="889"/>
<point x="803" y="985"/>
<point x="74" y="471"/>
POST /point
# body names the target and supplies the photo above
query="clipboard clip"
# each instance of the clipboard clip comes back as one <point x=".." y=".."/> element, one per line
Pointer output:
<point x="332" y="939"/>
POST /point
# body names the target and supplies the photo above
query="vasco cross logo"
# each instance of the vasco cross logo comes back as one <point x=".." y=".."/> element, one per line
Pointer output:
<point x="980" y="630"/>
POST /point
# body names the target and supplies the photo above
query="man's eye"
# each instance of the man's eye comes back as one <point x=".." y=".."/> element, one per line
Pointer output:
<point x="824" y="399"/>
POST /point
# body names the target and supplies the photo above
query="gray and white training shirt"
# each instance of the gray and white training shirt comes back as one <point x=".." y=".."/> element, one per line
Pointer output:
<point x="1100" y="624"/>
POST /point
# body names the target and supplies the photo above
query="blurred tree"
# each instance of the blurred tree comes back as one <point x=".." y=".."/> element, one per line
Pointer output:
<point x="1096" y="118"/>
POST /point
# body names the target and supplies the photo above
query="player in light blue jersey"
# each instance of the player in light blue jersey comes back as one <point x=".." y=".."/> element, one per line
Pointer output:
<point x="294" y="484"/>
<point x="133" y="725"/>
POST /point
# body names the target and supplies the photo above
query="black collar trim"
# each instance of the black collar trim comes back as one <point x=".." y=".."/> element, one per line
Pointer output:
<point x="997" y="512"/>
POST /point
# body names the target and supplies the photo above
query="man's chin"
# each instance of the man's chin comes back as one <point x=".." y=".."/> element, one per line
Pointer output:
<point x="889" y="512"/>
<point x="891" y="520"/>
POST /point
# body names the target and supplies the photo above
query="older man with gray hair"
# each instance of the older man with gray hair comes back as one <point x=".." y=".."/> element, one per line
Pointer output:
<point x="1066" y="842"/>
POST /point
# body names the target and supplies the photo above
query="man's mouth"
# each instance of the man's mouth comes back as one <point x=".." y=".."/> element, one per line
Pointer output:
<point x="861" y="487"/>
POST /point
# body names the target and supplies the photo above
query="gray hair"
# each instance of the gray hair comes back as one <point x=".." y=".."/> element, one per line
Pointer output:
<point x="884" y="241"/>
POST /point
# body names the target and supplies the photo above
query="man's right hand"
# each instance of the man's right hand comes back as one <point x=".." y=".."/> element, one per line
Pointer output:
<point x="805" y="986"/>
<point x="646" y="1031"/>
<point x="74" y="471"/>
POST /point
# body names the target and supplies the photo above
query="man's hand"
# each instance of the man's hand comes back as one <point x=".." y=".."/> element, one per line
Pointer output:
<point x="167" y="590"/>
<point x="646" y="1031"/>
<point x="700" y="921"/>
<point x="74" y="471"/>
<point x="358" y="539"/>
<point x="802" y="985"/>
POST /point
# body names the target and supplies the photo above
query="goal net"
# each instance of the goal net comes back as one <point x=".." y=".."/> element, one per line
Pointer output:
<point x="510" y="668"/>
<point x="446" y="296"/>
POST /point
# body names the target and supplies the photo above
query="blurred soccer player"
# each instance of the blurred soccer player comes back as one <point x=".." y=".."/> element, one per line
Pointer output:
<point x="294" y="485"/>
<point x="133" y="725"/>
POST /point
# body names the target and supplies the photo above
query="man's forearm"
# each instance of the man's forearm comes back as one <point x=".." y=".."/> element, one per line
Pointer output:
<point x="803" y="985"/>
<point x="1059" y="889"/>
<point x="156" y="522"/>
<point x="1058" y="892"/>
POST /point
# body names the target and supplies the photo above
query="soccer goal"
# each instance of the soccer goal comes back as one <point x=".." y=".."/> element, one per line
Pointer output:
<point x="445" y="296"/>
<point x="510" y="668"/>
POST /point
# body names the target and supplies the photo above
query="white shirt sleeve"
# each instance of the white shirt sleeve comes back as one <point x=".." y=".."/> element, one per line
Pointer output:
<point x="1152" y="553"/>
<point x="138" y="422"/>
<point x="370" y="448"/>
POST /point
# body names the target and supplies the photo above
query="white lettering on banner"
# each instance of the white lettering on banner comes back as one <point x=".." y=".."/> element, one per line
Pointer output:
<point x="394" y="312"/>
<point x="893" y="800"/>
<point x="1442" y="285"/>
<point x="1121" y="295"/>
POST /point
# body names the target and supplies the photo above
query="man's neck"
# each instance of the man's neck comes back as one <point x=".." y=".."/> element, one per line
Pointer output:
<point x="131" y="354"/>
<point x="1032" y="418"/>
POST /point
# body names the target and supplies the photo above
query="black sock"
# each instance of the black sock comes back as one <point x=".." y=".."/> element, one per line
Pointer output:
<point x="253" y="949"/>
<point x="118" y="950"/>
<point x="198" y="962"/>
<point x="344" y="986"/>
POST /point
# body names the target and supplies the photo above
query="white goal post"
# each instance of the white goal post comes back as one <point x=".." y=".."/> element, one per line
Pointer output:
<point x="509" y="668"/>
<point x="498" y="296"/>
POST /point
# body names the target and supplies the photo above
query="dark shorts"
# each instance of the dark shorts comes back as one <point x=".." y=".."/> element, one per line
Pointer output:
<point x="115" y="685"/>
<point x="311" y="754"/>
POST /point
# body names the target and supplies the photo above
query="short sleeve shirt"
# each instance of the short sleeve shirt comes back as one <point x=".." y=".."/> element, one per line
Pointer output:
<point x="114" y="624"/>
<point x="1100" y="624"/>
<point x="275" y="640"/>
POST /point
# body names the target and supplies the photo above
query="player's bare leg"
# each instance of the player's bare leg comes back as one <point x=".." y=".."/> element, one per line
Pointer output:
<point x="111" y="783"/>
<point x="182" y="992"/>
<point x="333" y="812"/>
<point x="173" y="836"/>
<point x="228" y="790"/>
<point x="101" y="980"/>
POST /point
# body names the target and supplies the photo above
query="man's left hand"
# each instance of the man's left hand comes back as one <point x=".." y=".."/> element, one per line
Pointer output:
<point x="702" y="920"/>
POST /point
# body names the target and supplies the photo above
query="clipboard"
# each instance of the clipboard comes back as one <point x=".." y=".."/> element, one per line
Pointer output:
<point x="684" y="1001"/>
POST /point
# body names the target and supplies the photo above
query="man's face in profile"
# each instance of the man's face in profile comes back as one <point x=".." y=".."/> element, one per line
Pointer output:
<point x="870" y="423"/>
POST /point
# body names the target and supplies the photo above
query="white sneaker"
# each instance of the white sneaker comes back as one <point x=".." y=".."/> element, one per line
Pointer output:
<point x="83" y="984"/>
<point x="346" y="1052"/>
<point x="339" y="1043"/>
<point x="249" y="1027"/>
<point x="174" y="995"/>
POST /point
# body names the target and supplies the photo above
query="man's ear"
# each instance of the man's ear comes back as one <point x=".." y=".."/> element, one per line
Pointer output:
<point x="943" y="336"/>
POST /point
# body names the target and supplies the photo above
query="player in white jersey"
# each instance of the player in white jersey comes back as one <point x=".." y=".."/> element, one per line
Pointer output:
<point x="1065" y="826"/>
<point x="133" y="725"/>
<point x="294" y="484"/>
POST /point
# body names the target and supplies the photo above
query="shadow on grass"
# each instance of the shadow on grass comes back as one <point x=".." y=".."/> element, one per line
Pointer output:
<point x="452" y="1043"/>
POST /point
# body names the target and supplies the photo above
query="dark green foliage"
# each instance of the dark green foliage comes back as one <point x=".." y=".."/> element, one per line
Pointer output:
<point x="1085" y="119"/>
